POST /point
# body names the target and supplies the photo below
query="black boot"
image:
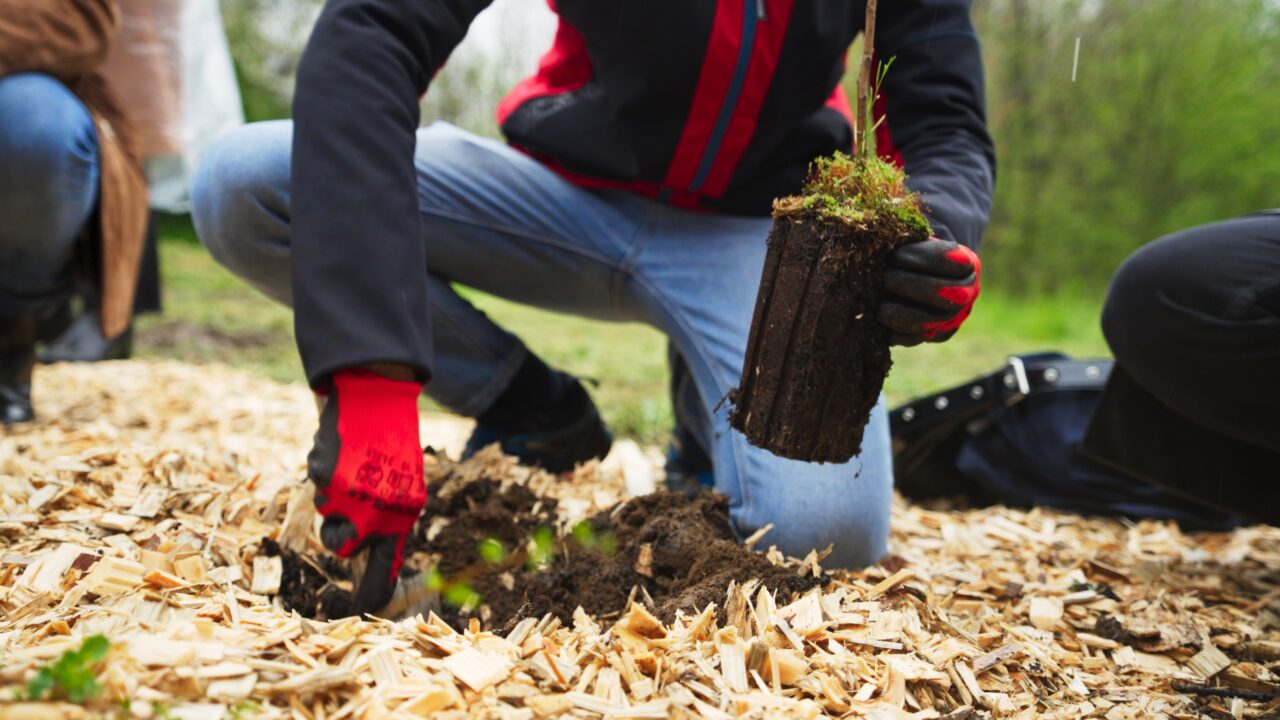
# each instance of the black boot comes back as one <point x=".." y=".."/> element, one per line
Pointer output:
<point x="17" y="357"/>
<point x="83" y="341"/>
<point x="545" y="419"/>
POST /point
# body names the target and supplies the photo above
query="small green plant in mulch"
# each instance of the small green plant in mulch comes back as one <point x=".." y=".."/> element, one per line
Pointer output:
<point x="244" y="709"/>
<point x="73" y="676"/>
<point x="536" y="554"/>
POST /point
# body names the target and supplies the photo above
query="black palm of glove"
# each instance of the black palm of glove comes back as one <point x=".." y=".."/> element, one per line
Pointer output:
<point x="929" y="290"/>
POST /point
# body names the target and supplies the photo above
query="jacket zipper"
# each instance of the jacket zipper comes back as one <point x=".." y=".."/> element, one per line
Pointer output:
<point x="753" y="13"/>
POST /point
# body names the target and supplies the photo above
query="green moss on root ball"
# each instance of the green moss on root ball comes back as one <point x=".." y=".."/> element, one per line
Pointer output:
<point x="855" y="191"/>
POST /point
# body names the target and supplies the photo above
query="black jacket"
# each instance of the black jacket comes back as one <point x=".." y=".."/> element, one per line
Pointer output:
<point x="712" y="104"/>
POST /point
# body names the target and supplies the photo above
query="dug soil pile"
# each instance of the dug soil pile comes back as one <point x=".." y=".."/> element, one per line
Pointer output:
<point x="667" y="550"/>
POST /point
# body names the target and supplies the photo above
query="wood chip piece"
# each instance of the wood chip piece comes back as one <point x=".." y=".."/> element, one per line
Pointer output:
<point x="163" y="580"/>
<point x="113" y="576"/>
<point x="267" y="572"/>
<point x="548" y="705"/>
<point x="47" y="571"/>
<point x="432" y="701"/>
<point x="1096" y="642"/>
<point x="995" y="657"/>
<point x="117" y="521"/>
<point x="315" y="680"/>
<point x="644" y="561"/>
<point x="733" y="665"/>
<point x="385" y="668"/>
<point x="891" y="582"/>
<point x="1046" y="613"/>
<point x="478" y="670"/>
<point x="150" y="502"/>
<point x="191" y="568"/>
<point x="1208" y="662"/>
<point x="236" y="688"/>
<point x="971" y="684"/>
<point x="642" y="622"/>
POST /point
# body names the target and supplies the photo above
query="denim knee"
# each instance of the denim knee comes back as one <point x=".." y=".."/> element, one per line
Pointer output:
<point x="239" y="180"/>
<point x="811" y="506"/>
<point x="48" y="187"/>
<point x="44" y="125"/>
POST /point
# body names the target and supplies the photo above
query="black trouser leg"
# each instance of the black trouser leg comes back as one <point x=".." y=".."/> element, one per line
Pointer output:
<point x="1194" y="322"/>
<point x="147" y="298"/>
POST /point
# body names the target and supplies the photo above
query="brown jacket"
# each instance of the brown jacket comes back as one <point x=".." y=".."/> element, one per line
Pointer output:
<point x="68" y="39"/>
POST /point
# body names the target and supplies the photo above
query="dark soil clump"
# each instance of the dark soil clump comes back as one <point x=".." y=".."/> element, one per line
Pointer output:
<point x="305" y="588"/>
<point x="679" y="550"/>
<point x="675" y="550"/>
<point x="479" y="511"/>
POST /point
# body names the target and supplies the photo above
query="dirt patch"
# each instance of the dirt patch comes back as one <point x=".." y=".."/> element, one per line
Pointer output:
<point x="670" y="551"/>
<point x="312" y="585"/>
<point x="180" y="334"/>
<point x="480" y="511"/>
<point x="678" y="550"/>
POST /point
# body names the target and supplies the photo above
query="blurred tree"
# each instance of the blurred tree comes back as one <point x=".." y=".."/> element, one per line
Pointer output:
<point x="501" y="48"/>
<point x="1173" y="121"/>
<point x="266" y="39"/>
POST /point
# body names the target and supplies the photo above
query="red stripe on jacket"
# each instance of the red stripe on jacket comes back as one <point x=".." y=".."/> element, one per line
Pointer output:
<point x="839" y="101"/>
<point x="770" y="34"/>
<point x="713" y="85"/>
<point x="564" y="68"/>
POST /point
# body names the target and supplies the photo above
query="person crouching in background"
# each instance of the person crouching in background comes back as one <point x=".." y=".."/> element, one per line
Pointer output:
<point x="70" y="182"/>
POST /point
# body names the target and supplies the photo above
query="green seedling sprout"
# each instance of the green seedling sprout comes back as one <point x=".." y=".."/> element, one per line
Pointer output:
<point x="462" y="595"/>
<point x="584" y="534"/>
<point x="433" y="579"/>
<point x="608" y="543"/>
<point x="73" y="676"/>
<point x="542" y="548"/>
<point x="536" y="554"/>
<point x="244" y="709"/>
<point x="492" y="551"/>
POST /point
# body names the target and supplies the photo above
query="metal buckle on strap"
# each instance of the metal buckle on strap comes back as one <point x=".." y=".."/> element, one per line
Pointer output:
<point x="1015" y="380"/>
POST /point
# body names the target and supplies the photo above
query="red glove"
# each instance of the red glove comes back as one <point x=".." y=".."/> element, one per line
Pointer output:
<point x="929" y="290"/>
<point x="367" y="466"/>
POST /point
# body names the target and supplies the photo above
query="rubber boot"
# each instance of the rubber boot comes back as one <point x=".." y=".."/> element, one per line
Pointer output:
<point x="83" y="341"/>
<point x="556" y="439"/>
<point x="17" y="358"/>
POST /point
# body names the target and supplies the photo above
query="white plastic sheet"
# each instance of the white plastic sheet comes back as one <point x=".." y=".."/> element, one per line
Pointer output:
<point x="170" y="70"/>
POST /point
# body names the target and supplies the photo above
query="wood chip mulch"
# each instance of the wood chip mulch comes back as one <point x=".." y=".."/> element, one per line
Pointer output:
<point x="138" y="507"/>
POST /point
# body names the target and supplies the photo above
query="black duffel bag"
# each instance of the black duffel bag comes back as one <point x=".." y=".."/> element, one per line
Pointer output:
<point x="1014" y="438"/>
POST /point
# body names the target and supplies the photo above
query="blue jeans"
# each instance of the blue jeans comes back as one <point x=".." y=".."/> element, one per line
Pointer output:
<point x="496" y="220"/>
<point x="48" y="189"/>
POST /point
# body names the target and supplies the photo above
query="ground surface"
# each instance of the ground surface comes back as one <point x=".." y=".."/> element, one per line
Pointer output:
<point x="152" y="503"/>
<point x="212" y="316"/>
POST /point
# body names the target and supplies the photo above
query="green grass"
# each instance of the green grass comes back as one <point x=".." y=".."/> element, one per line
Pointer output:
<point x="210" y="316"/>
